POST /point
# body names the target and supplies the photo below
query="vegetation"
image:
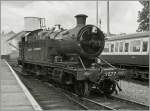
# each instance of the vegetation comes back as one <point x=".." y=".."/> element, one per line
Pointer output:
<point x="143" y="17"/>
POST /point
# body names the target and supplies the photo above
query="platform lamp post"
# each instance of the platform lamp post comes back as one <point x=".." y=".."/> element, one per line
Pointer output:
<point x="98" y="21"/>
<point x="2" y="33"/>
<point x="0" y="45"/>
<point x="108" y="28"/>
<point x="97" y="13"/>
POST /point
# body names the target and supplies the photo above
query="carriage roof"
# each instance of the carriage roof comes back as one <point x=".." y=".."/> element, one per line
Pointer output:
<point x="129" y="36"/>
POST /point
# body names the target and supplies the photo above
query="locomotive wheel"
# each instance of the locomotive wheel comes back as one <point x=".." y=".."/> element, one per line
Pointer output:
<point x="108" y="86"/>
<point x="82" y="88"/>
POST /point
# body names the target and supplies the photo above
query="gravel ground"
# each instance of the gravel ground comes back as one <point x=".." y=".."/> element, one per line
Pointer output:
<point x="133" y="91"/>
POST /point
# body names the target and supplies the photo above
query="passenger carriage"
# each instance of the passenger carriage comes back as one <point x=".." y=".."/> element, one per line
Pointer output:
<point x="129" y="50"/>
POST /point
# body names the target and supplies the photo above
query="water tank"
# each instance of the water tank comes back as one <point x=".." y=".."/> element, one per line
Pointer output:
<point x="33" y="23"/>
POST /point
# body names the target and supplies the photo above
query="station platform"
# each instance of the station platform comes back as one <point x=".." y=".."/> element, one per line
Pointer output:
<point x="14" y="95"/>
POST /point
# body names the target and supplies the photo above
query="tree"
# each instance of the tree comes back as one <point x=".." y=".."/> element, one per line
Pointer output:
<point x="143" y="17"/>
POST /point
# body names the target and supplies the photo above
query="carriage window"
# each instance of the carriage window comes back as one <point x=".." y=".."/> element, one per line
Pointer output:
<point x="145" y="46"/>
<point x="135" y="46"/>
<point x="112" y="48"/>
<point x="121" y="47"/>
<point x="106" y="48"/>
<point x="116" y="46"/>
<point x="126" y="47"/>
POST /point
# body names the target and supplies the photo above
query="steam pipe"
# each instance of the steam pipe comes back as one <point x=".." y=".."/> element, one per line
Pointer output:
<point x="107" y="63"/>
<point x="82" y="63"/>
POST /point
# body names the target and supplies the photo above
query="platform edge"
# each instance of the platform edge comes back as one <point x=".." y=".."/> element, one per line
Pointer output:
<point x="33" y="102"/>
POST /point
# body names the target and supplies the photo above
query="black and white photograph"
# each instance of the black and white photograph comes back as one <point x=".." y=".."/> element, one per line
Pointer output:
<point x="74" y="55"/>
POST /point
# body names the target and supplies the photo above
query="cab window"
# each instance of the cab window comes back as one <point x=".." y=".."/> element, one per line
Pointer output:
<point x="145" y="46"/>
<point x="26" y="39"/>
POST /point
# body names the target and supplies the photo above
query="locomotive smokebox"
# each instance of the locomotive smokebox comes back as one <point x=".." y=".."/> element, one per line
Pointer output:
<point x="84" y="40"/>
<point x="81" y="19"/>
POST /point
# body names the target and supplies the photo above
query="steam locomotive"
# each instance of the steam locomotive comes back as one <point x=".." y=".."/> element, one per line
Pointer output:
<point x="69" y="57"/>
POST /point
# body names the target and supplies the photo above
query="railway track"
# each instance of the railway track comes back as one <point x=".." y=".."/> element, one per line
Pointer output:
<point x="51" y="97"/>
<point x="118" y="103"/>
<point x="109" y="103"/>
<point x="89" y="104"/>
<point x="48" y="96"/>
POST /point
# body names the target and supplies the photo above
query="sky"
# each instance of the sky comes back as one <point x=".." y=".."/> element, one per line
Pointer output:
<point x="123" y="14"/>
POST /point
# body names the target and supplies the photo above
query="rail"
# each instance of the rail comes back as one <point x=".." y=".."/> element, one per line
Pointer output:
<point x="85" y="103"/>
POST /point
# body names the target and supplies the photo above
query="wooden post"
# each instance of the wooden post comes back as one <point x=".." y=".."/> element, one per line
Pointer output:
<point x="97" y="13"/>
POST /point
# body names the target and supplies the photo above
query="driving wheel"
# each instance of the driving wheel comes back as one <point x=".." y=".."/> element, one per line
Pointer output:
<point x="82" y="88"/>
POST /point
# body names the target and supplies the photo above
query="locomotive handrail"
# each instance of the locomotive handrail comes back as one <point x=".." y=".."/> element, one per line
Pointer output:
<point x="107" y="63"/>
<point x="50" y="32"/>
<point x="58" y="33"/>
<point x="82" y="63"/>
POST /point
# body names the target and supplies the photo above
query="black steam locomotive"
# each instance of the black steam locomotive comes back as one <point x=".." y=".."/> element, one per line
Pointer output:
<point x="69" y="57"/>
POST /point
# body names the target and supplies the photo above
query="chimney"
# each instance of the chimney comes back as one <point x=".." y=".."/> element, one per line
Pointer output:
<point x="81" y="19"/>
